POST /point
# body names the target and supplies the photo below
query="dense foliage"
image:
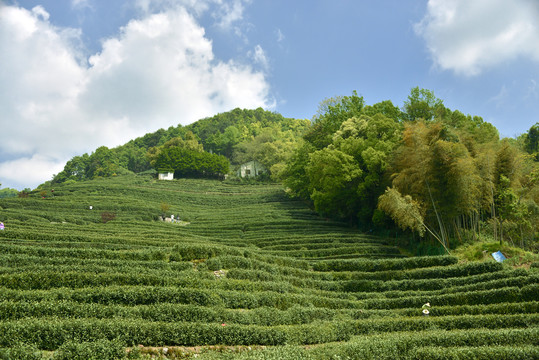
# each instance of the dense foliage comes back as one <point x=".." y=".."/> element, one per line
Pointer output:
<point x="435" y="172"/>
<point x="188" y="163"/>
<point x="7" y="192"/>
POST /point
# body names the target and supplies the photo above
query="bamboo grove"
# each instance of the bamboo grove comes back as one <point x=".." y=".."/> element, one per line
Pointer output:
<point x="435" y="172"/>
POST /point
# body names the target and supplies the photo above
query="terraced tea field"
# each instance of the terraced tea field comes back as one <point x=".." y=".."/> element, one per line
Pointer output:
<point x="248" y="270"/>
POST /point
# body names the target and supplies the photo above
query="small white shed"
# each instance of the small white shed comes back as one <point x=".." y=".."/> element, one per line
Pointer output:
<point x="166" y="176"/>
<point x="251" y="169"/>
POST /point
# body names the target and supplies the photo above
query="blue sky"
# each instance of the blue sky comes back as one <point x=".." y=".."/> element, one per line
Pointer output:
<point x="78" y="74"/>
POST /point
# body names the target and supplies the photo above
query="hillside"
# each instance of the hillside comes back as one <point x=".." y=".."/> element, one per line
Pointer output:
<point x="247" y="269"/>
<point x="432" y="174"/>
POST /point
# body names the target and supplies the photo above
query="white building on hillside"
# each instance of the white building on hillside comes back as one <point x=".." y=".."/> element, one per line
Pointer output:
<point x="251" y="169"/>
<point x="166" y="176"/>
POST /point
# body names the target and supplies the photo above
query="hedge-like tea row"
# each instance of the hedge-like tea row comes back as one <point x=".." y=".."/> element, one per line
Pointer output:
<point x="477" y="353"/>
<point x="355" y="251"/>
<point x="501" y="284"/>
<point x="51" y="333"/>
<point x="510" y="294"/>
<point x="21" y="263"/>
<point x="188" y="252"/>
<point x="404" y="346"/>
<point x="369" y="326"/>
<point x="386" y="264"/>
<point x="417" y="345"/>
<point x="147" y="295"/>
<point x="266" y="316"/>
<point x="483" y="309"/>
<point x="128" y="253"/>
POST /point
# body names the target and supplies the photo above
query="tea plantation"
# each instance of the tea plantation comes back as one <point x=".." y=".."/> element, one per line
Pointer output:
<point x="246" y="273"/>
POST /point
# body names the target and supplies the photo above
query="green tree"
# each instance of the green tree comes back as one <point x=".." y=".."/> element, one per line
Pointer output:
<point x="294" y="175"/>
<point x="190" y="143"/>
<point x="333" y="177"/>
<point x="330" y="115"/>
<point x="102" y="163"/>
<point x="75" y="169"/>
<point x="422" y="104"/>
<point x="531" y="140"/>
<point x="7" y="193"/>
<point x="371" y="141"/>
<point x="385" y="108"/>
<point x="189" y="163"/>
<point x="271" y="147"/>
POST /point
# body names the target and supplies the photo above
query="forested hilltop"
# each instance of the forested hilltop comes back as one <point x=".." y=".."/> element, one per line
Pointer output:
<point x="432" y="172"/>
<point x="238" y="136"/>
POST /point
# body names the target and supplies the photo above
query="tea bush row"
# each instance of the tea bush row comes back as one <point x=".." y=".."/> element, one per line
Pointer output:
<point x="384" y="264"/>
<point x="28" y="262"/>
<point x="417" y="345"/>
<point x="402" y="288"/>
<point x="147" y="295"/>
<point x="10" y="310"/>
<point x="510" y="294"/>
<point x="507" y="352"/>
<point x="51" y="333"/>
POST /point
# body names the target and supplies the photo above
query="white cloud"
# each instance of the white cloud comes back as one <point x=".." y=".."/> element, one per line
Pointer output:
<point x="159" y="71"/>
<point x="25" y="171"/>
<point x="39" y="11"/>
<point x="279" y="34"/>
<point x="259" y="57"/>
<point x="470" y="36"/>
<point x="229" y="13"/>
<point x="81" y="4"/>
<point x="149" y="7"/>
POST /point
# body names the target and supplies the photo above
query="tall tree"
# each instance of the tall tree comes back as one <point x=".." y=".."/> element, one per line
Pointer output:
<point x="333" y="177"/>
<point x="330" y="115"/>
<point x="531" y="141"/>
<point x="371" y="141"/>
<point x="422" y="104"/>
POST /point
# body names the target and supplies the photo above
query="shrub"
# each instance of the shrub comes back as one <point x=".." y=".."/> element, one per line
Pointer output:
<point x="21" y="352"/>
<point x="107" y="216"/>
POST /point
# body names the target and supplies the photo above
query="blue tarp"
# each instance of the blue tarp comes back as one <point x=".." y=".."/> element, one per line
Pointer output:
<point x="498" y="256"/>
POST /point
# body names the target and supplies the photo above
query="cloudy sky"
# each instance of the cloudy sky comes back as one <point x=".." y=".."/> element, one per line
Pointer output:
<point x="78" y="74"/>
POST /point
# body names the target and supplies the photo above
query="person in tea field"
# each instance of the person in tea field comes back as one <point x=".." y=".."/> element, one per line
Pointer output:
<point x="1" y="226"/>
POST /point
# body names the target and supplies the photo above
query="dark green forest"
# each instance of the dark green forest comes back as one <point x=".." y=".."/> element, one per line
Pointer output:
<point x="423" y="171"/>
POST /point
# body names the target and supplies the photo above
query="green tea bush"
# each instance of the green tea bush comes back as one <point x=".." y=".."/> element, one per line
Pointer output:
<point x="385" y="264"/>
<point x="21" y="352"/>
<point x="188" y="252"/>
<point x="477" y="353"/>
<point x="51" y="333"/>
